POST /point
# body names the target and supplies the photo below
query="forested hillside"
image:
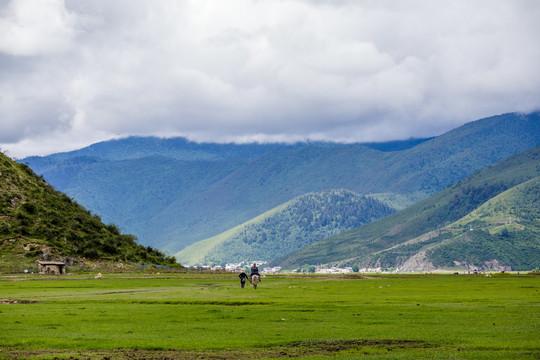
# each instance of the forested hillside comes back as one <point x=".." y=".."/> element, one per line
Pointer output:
<point x="170" y="201"/>
<point x="287" y="228"/>
<point x="502" y="234"/>
<point x="38" y="221"/>
<point x="437" y="232"/>
<point x="505" y="229"/>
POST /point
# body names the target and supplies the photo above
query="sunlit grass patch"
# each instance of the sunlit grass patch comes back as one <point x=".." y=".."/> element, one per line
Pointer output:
<point x="441" y="316"/>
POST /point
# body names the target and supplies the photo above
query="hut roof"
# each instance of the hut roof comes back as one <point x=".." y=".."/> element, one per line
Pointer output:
<point x="40" y="262"/>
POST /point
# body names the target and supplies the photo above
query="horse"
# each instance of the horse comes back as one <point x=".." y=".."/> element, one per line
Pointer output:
<point x="255" y="280"/>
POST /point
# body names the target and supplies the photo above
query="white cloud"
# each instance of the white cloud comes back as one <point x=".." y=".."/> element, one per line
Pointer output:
<point x="276" y="69"/>
<point x="35" y="27"/>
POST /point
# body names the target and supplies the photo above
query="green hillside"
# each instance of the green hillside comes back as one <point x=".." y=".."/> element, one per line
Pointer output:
<point x="502" y="234"/>
<point x="505" y="231"/>
<point x="37" y="221"/>
<point x="134" y="193"/>
<point x="393" y="241"/>
<point x="287" y="228"/>
<point x="171" y="203"/>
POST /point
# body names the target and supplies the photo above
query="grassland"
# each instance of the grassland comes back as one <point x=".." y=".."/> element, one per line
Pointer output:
<point x="196" y="316"/>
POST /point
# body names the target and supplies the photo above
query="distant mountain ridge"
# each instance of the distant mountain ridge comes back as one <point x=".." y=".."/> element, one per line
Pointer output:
<point x="172" y="203"/>
<point x="487" y="220"/>
<point x="179" y="148"/>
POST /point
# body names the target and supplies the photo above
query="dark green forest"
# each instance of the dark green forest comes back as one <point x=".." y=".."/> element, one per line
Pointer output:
<point x="300" y="222"/>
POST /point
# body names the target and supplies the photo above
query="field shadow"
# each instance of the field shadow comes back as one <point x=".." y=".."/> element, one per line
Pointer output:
<point x="290" y="350"/>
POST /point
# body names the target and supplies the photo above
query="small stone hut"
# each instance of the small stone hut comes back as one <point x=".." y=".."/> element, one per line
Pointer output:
<point x="51" y="267"/>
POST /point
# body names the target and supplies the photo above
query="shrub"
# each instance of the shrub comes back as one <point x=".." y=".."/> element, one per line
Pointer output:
<point x="91" y="254"/>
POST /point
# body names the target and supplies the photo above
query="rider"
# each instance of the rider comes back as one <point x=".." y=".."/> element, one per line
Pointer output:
<point x="254" y="271"/>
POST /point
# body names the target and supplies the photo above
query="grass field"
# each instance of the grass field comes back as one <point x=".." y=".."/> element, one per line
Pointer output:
<point x="196" y="316"/>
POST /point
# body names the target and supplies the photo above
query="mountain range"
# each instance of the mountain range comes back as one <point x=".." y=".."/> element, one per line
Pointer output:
<point x="172" y="193"/>
<point x="488" y="220"/>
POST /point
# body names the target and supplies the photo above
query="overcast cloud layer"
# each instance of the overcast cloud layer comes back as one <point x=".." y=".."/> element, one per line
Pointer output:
<point x="76" y="72"/>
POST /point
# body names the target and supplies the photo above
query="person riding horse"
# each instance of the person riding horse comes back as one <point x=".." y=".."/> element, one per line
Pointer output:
<point x="254" y="271"/>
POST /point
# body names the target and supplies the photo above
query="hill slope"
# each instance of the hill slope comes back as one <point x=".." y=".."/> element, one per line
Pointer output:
<point x="503" y="233"/>
<point x="287" y="228"/>
<point x="38" y="221"/>
<point x="402" y="239"/>
<point x="173" y="203"/>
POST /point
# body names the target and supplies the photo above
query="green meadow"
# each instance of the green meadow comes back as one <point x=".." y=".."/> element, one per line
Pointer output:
<point x="207" y="316"/>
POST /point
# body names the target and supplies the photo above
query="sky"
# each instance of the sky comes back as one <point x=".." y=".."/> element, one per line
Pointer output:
<point x="74" y="72"/>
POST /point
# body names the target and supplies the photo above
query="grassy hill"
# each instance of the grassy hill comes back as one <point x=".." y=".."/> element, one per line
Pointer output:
<point x="505" y="231"/>
<point x="502" y="234"/>
<point x="184" y="194"/>
<point x="499" y="203"/>
<point x="287" y="228"/>
<point x="37" y="221"/>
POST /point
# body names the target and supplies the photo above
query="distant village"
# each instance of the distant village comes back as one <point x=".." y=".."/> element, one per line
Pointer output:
<point x="238" y="267"/>
<point x="246" y="265"/>
<point x="263" y="269"/>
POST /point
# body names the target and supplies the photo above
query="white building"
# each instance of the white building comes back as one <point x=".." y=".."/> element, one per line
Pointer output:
<point x="335" y="270"/>
<point x="272" y="270"/>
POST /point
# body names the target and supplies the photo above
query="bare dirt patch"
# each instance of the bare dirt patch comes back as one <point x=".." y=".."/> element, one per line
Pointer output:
<point x="201" y="302"/>
<point x="292" y="350"/>
<point x="12" y="301"/>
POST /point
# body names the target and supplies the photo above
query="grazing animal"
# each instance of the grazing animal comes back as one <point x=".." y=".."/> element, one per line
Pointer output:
<point x="255" y="280"/>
